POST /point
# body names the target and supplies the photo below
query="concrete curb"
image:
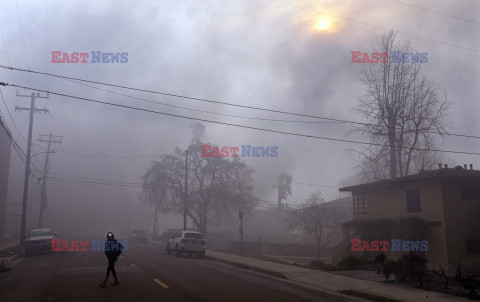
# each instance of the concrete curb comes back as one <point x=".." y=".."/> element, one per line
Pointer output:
<point x="369" y="296"/>
<point x="7" y="263"/>
<point x="244" y="266"/>
<point x="351" y="292"/>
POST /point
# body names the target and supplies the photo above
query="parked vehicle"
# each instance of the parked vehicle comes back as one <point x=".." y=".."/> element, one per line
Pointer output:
<point x="139" y="236"/>
<point x="189" y="242"/>
<point x="39" y="240"/>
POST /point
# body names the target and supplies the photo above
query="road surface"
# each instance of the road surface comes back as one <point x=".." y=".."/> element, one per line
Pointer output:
<point x="146" y="273"/>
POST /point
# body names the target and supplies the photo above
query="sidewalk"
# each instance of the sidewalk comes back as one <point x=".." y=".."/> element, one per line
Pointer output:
<point x="332" y="282"/>
<point x="10" y="252"/>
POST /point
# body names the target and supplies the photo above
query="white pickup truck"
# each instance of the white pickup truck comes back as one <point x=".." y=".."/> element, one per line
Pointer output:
<point x="189" y="242"/>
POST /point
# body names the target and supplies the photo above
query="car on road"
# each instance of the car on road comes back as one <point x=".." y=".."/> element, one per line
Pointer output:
<point x="139" y="236"/>
<point x="39" y="240"/>
<point x="189" y="242"/>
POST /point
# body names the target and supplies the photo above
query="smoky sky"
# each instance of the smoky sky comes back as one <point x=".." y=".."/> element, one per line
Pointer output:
<point x="257" y="53"/>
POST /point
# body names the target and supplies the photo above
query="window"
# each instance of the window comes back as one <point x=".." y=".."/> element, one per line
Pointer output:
<point x="193" y="235"/>
<point x="360" y="205"/>
<point x="40" y="232"/>
<point x="470" y="192"/>
<point x="413" y="200"/>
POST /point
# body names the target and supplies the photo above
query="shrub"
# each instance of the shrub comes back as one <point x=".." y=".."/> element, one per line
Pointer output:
<point x="409" y="266"/>
<point x="416" y="266"/>
<point x="384" y="266"/>
<point x="467" y="279"/>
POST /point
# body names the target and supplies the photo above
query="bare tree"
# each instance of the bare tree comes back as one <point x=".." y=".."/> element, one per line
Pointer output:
<point x="314" y="217"/>
<point x="284" y="187"/>
<point x="403" y="112"/>
<point x="217" y="186"/>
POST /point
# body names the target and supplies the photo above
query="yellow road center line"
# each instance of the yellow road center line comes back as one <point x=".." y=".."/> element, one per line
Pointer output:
<point x="161" y="283"/>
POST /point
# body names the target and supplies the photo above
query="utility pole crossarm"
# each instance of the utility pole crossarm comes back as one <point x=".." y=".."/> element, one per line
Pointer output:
<point x="36" y="110"/>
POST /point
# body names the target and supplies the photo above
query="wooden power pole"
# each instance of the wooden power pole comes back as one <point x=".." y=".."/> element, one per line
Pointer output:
<point x="32" y="110"/>
<point x="52" y="139"/>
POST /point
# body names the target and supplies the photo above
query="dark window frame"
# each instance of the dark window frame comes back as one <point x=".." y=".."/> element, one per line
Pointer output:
<point x="414" y="200"/>
<point x="360" y="203"/>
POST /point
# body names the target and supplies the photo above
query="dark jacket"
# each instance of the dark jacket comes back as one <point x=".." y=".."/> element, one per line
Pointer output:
<point x="113" y="248"/>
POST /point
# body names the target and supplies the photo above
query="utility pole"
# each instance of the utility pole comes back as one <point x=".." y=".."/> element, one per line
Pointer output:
<point x="185" y="201"/>
<point x="55" y="139"/>
<point x="32" y="110"/>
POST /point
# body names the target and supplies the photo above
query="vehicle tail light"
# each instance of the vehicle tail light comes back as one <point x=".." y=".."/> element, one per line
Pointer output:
<point x="184" y="240"/>
<point x="134" y="235"/>
<point x="147" y="236"/>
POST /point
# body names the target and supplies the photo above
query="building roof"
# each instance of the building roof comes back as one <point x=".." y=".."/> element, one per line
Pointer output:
<point x="443" y="173"/>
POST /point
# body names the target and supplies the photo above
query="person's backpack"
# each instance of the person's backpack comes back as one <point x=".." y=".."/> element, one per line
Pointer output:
<point x="113" y="248"/>
<point x="120" y="249"/>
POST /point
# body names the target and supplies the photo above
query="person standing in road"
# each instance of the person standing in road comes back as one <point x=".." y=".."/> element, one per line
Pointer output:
<point x="113" y="249"/>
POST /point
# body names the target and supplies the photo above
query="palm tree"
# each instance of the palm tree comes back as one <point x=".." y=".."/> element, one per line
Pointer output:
<point x="284" y="187"/>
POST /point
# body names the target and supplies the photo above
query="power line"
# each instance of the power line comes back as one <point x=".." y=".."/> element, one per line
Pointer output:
<point x="436" y="12"/>
<point x="106" y="156"/>
<point x="17" y="147"/>
<point x="6" y="106"/>
<point x="19" y="133"/>
<point x="10" y="115"/>
<point x="119" y="184"/>
<point x="23" y="39"/>
<point x="199" y="110"/>
<point x="178" y="96"/>
<point x="13" y="77"/>
<point x="6" y="52"/>
<point x="93" y="178"/>
<point x="46" y="41"/>
<point x="136" y="185"/>
<point x="143" y="156"/>
<point x="240" y="126"/>
<point x="5" y="127"/>
<point x="375" y="26"/>
<point x="235" y="105"/>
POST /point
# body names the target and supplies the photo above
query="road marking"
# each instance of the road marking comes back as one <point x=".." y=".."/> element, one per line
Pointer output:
<point x="134" y="265"/>
<point x="161" y="283"/>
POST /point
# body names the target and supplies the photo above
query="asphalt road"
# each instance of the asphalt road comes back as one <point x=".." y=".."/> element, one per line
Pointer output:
<point x="146" y="273"/>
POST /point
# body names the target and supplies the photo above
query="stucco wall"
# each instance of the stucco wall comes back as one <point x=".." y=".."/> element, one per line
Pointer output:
<point x="462" y="220"/>
<point x="389" y="202"/>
